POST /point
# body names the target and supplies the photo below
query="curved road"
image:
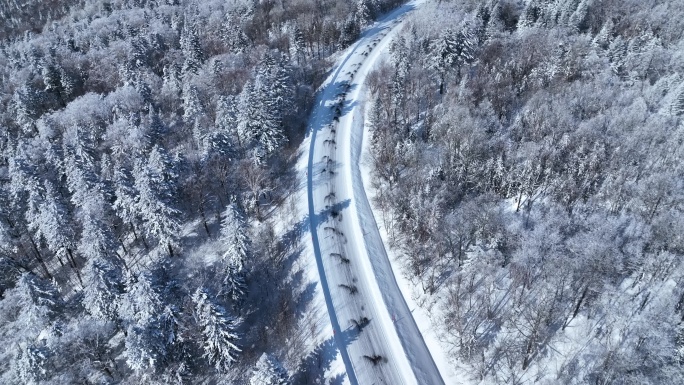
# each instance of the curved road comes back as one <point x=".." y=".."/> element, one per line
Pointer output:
<point x="377" y="336"/>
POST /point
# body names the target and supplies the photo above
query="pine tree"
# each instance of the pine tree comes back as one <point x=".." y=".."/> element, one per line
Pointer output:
<point x="52" y="79"/>
<point x="258" y="123"/>
<point x="125" y="203"/>
<point x="54" y="226"/>
<point x="350" y="31"/>
<point x="363" y="12"/>
<point x="25" y="193"/>
<point x="192" y="50"/>
<point x="268" y="371"/>
<point x="451" y="49"/>
<point x="297" y="44"/>
<point x="140" y="350"/>
<point x="226" y="140"/>
<point x="140" y="302"/>
<point x="30" y="363"/>
<point x="9" y="269"/>
<point x="192" y="106"/>
<point x="237" y="39"/>
<point x="154" y="181"/>
<point x="172" y="84"/>
<point x="149" y="346"/>
<point x="28" y="104"/>
<point x="38" y="299"/>
<point x="234" y="236"/>
<point x="218" y="331"/>
<point x="104" y="285"/>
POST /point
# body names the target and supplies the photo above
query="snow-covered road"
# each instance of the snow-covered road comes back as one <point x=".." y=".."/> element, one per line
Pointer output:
<point x="378" y="338"/>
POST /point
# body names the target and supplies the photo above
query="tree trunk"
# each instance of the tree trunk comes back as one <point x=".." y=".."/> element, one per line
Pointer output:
<point x="577" y="307"/>
<point x="39" y="257"/>
<point x="73" y="266"/>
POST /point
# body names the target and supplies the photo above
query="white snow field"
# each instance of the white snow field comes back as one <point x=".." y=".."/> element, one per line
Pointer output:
<point x="378" y="338"/>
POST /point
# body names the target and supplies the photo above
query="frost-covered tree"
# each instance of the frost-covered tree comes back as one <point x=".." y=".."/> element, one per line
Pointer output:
<point x="268" y="371"/>
<point x="451" y="49"/>
<point x="190" y="45"/>
<point x="30" y="363"/>
<point x="150" y="344"/>
<point x="104" y="286"/>
<point x="234" y="236"/>
<point x="28" y="103"/>
<point x="140" y="302"/>
<point x="35" y="301"/>
<point x="226" y="141"/>
<point x="55" y="228"/>
<point x="154" y="183"/>
<point x="364" y="12"/>
<point x="125" y="204"/>
<point x="262" y="105"/>
<point x="219" y="335"/>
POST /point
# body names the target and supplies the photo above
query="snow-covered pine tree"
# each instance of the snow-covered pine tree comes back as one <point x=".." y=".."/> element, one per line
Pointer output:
<point x="55" y="227"/>
<point x="363" y="12"/>
<point x="258" y="123"/>
<point x="192" y="106"/>
<point x="150" y="346"/>
<point x="297" y="44"/>
<point x="27" y="105"/>
<point x="104" y="285"/>
<point x="125" y="202"/>
<point x="32" y="218"/>
<point x="30" y="363"/>
<point x="350" y="31"/>
<point x="190" y="45"/>
<point x="225" y="140"/>
<point x="234" y="236"/>
<point x="193" y="112"/>
<point x="156" y="129"/>
<point x="451" y="49"/>
<point x="172" y="85"/>
<point x="218" y="331"/>
<point x="265" y="127"/>
<point x="155" y="185"/>
<point x="36" y="298"/>
<point x="281" y="91"/>
<point x="140" y="350"/>
<point x="9" y="269"/>
<point x="140" y="302"/>
<point x="237" y="39"/>
<point x="268" y="371"/>
<point x="82" y="180"/>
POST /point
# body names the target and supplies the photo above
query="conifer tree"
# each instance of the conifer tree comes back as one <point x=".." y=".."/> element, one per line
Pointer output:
<point x="104" y="286"/>
<point x="154" y="182"/>
<point x="234" y="236"/>
<point x="218" y="331"/>
<point x="30" y="363"/>
<point x="192" y="50"/>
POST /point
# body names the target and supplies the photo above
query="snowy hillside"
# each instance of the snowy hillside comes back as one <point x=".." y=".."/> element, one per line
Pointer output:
<point x="342" y="192"/>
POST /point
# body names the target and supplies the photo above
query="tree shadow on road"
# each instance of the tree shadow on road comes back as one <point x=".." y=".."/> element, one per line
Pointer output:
<point x="313" y="368"/>
<point x="304" y="225"/>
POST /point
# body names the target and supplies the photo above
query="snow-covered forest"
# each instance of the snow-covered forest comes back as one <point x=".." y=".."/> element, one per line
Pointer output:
<point x="145" y="147"/>
<point x="528" y="170"/>
<point x="529" y="164"/>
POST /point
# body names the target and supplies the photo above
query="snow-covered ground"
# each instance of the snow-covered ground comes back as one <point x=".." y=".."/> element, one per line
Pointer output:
<point x="378" y="339"/>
